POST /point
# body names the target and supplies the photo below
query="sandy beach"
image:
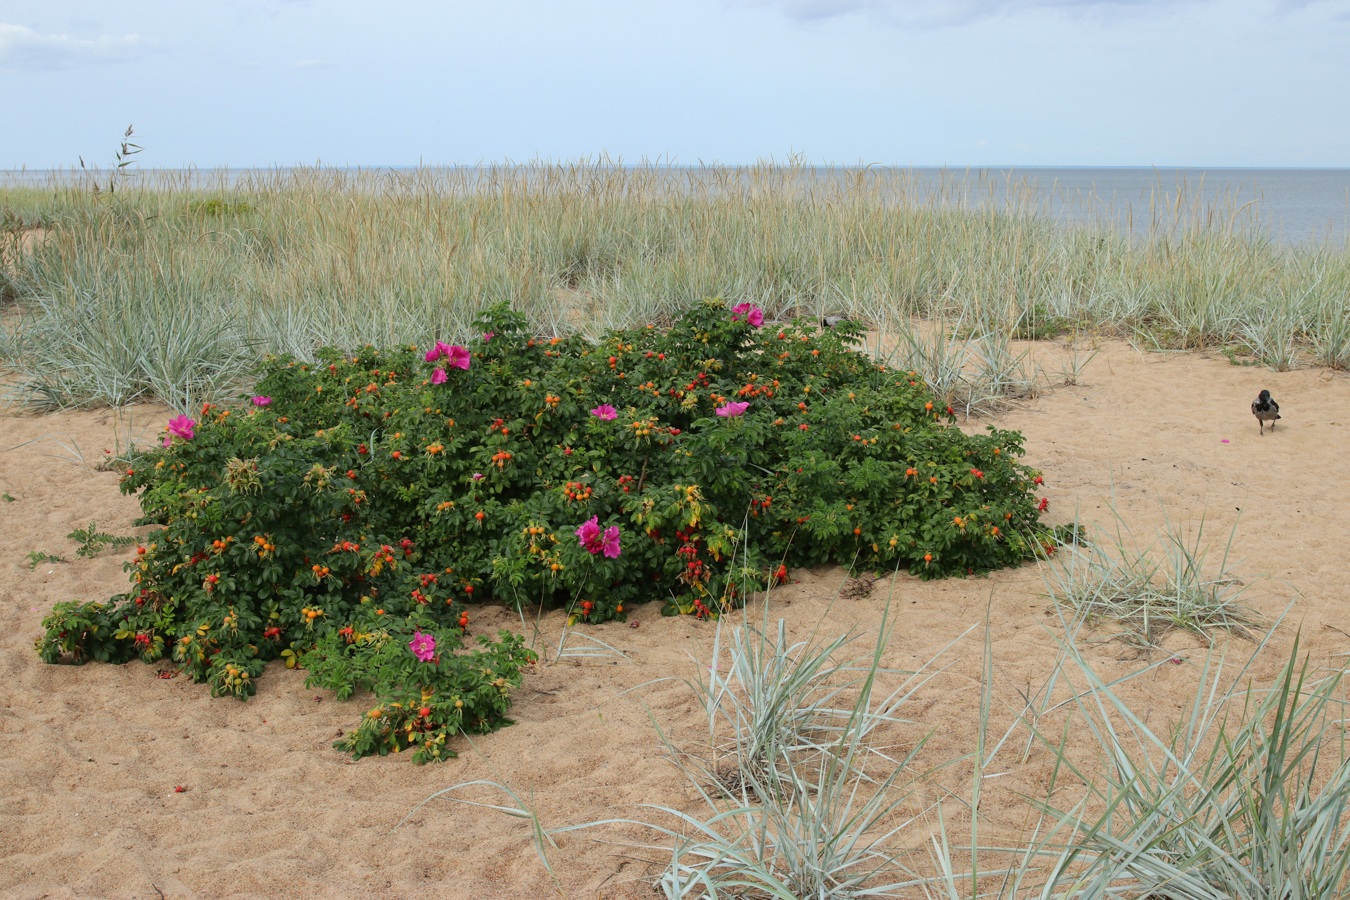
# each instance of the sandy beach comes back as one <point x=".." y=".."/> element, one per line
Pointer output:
<point x="92" y="758"/>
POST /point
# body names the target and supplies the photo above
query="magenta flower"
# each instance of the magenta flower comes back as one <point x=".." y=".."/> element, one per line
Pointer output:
<point x="478" y="476"/>
<point x="488" y="335"/>
<point x="439" y="376"/>
<point x="443" y="349"/>
<point x="605" y="411"/>
<point x="590" y="538"/>
<point x="753" y="314"/>
<point x="179" y="426"/>
<point x="588" y="535"/>
<point x="610" y="543"/>
<point x="731" y="410"/>
<point x="423" y="646"/>
<point x="261" y="401"/>
<point x="460" y="357"/>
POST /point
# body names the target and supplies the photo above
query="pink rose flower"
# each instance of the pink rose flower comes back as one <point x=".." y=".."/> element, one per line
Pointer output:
<point x="588" y="535"/>
<point x="460" y="357"/>
<point x="753" y="314"/>
<point x="610" y="543"/>
<point x="605" y="411"/>
<point x="488" y="335"/>
<point x="439" y="376"/>
<point x="180" y="426"/>
<point x="591" y="539"/>
<point x="731" y="410"/>
<point x="261" y="401"/>
<point x="423" y="646"/>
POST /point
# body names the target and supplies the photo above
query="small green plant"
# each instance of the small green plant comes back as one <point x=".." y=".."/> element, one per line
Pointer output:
<point x="1331" y="340"/>
<point x="1038" y="324"/>
<point x="37" y="556"/>
<point x="1239" y="356"/>
<point x="93" y="542"/>
<point x="218" y="207"/>
<point x="1272" y="336"/>
<point x="7" y="497"/>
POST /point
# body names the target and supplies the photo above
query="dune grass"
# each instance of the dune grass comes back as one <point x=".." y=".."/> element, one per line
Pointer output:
<point x="171" y="286"/>
<point x="1148" y="590"/>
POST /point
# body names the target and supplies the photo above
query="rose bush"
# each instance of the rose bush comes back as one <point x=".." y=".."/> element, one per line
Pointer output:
<point x="383" y="494"/>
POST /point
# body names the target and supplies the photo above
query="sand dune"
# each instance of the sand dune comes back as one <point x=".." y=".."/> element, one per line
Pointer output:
<point x="90" y="757"/>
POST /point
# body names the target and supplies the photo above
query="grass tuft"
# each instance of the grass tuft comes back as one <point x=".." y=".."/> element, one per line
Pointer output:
<point x="1152" y="589"/>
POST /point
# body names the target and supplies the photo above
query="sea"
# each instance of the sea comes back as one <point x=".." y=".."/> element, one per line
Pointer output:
<point x="1307" y="208"/>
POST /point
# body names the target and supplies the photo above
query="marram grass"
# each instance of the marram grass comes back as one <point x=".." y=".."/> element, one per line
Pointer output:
<point x="174" y="284"/>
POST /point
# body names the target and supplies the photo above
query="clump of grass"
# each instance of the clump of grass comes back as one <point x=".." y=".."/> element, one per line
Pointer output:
<point x="969" y="369"/>
<point x="1071" y="369"/>
<point x="1271" y="336"/>
<point x="1152" y="589"/>
<point x="1331" y="338"/>
<point x="808" y="807"/>
<point x="1247" y="797"/>
<point x="88" y="351"/>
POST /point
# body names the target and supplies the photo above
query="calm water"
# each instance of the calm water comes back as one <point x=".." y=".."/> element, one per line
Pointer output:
<point x="1290" y="206"/>
<point x="1293" y="207"/>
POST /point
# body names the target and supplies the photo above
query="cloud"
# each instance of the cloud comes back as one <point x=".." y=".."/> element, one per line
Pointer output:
<point x="938" y="13"/>
<point x="23" y="48"/>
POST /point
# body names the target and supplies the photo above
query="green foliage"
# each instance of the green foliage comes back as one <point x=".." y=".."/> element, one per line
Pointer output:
<point x="421" y="703"/>
<point x="217" y="208"/>
<point x="78" y="632"/>
<point x="1039" y="324"/>
<point x="387" y="485"/>
<point x="93" y="542"/>
<point x="38" y="556"/>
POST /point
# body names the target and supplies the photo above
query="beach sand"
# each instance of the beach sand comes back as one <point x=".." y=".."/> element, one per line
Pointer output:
<point x="91" y="757"/>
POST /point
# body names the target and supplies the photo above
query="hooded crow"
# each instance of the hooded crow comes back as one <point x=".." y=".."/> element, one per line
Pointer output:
<point x="1266" y="410"/>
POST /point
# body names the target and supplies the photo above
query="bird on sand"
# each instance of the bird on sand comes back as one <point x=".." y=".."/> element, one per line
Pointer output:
<point x="1266" y="410"/>
<point x="832" y="321"/>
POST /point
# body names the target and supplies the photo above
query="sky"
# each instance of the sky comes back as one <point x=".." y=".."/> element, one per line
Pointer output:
<point x="1207" y="83"/>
